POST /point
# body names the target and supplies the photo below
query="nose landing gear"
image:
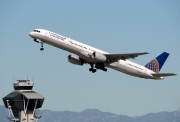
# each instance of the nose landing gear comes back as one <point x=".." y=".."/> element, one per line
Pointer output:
<point x="39" y="41"/>
<point x="41" y="47"/>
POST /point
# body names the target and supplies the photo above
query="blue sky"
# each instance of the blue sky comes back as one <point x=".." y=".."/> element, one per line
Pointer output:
<point x="117" y="26"/>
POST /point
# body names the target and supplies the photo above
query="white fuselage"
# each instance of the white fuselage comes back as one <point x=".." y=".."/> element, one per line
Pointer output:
<point x="75" y="47"/>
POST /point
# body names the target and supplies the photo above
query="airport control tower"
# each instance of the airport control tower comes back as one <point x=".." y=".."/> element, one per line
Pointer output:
<point x="23" y="103"/>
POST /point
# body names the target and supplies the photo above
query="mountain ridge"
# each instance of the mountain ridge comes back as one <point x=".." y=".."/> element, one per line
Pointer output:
<point x="95" y="115"/>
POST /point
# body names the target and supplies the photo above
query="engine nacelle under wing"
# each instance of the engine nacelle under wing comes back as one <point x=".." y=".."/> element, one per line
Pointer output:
<point x="75" y="60"/>
<point x="98" y="57"/>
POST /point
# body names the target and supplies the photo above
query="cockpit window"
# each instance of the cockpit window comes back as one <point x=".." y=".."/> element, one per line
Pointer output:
<point x="36" y="31"/>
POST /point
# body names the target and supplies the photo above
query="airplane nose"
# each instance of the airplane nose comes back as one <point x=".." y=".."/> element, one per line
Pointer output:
<point x="31" y="34"/>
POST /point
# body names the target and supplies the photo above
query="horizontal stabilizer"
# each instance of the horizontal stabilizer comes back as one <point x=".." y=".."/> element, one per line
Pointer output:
<point x="163" y="74"/>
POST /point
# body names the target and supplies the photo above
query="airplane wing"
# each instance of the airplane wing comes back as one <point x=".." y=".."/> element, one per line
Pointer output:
<point x="115" y="57"/>
<point x="163" y="74"/>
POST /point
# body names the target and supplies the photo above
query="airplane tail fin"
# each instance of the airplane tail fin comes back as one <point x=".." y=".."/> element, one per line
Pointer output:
<point x="157" y="63"/>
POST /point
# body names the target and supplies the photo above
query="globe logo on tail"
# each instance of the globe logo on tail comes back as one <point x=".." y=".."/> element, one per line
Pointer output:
<point x="153" y="65"/>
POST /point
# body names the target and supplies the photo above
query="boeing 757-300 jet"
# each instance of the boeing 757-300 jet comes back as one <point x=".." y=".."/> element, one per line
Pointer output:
<point x="98" y="59"/>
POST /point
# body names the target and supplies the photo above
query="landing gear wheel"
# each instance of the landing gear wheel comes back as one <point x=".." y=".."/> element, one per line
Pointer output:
<point x="42" y="49"/>
<point x="90" y="69"/>
<point x="94" y="70"/>
<point x="105" y="69"/>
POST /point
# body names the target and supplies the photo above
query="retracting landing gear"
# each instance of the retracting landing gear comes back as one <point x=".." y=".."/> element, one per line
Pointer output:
<point x="92" y="68"/>
<point x="97" y="66"/>
<point x="101" y="66"/>
<point x="41" y="47"/>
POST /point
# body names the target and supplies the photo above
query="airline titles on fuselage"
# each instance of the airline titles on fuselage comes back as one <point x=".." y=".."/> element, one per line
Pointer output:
<point x="64" y="38"/>
<point x="57" y="36"/>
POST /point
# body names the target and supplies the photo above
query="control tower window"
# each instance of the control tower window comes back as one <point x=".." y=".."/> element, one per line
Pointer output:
<point x="23" y="87"/>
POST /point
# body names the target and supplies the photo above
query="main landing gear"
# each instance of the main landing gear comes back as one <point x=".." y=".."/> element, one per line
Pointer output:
<point x="98" y="66"/>
<point x="92" y="68"/>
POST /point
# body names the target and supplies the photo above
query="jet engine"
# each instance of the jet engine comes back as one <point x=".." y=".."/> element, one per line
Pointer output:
<point x="98" y="57"/>
<point x="75" y="60"/>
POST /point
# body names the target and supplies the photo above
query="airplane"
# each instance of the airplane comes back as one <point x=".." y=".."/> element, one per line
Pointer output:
<point x="98" y="59"/>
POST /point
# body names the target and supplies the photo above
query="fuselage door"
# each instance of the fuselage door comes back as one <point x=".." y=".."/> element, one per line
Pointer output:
<point x="46" y="33"/>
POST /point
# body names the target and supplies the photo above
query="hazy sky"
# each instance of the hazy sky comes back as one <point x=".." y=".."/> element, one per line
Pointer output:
<point x="116" y="26"/>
